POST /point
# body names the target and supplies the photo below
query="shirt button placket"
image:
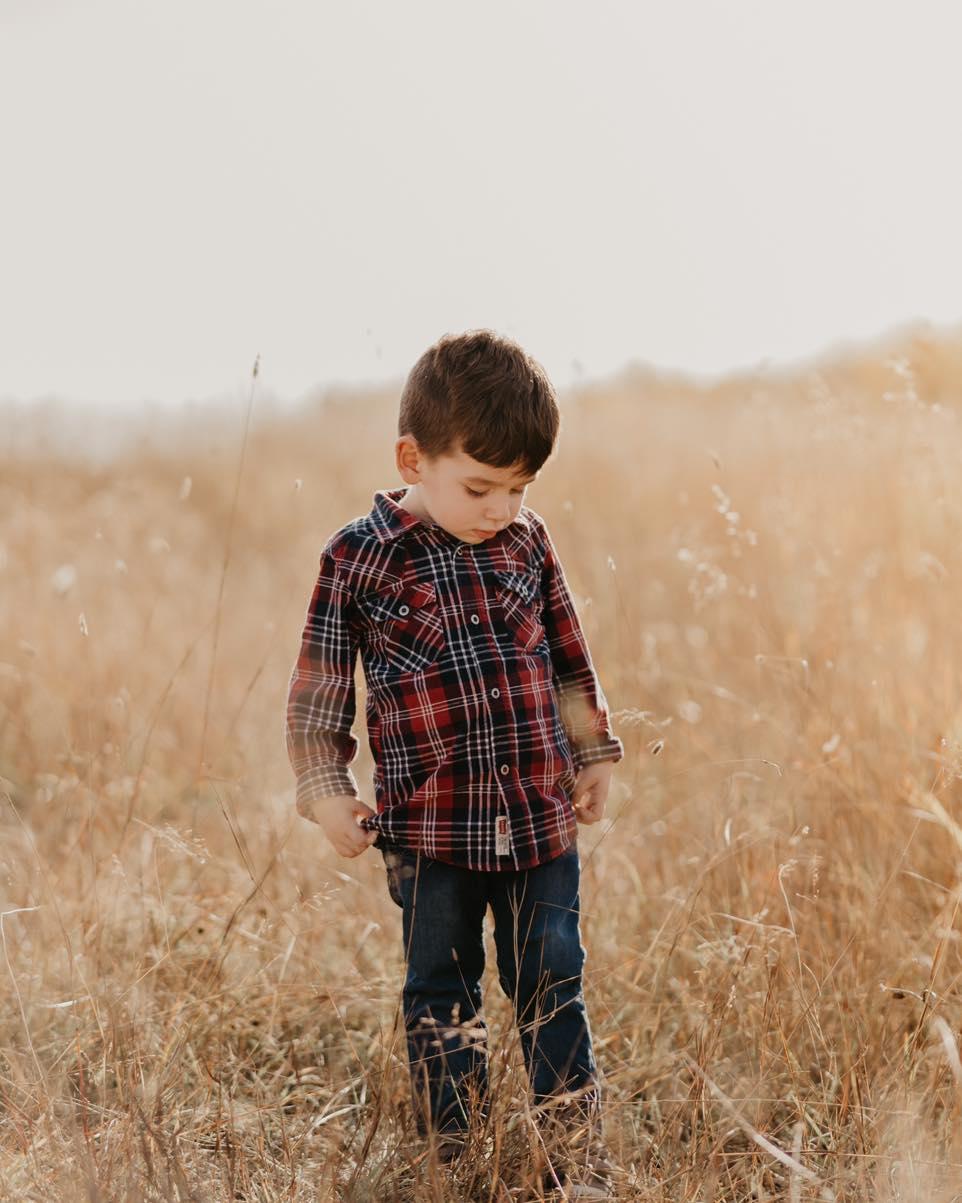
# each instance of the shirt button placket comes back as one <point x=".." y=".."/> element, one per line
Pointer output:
<point x="501" y="812"/>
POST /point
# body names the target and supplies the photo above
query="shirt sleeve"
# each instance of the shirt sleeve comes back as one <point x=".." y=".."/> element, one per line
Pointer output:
<point x="584" y="708"/>
<point x="321" y="701"/>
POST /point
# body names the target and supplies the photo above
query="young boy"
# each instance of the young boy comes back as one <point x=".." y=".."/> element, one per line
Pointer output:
<point x="489" y="731"/>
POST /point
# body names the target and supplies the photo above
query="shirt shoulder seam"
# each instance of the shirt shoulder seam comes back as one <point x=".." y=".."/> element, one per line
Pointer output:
<point x="342" y="544"/>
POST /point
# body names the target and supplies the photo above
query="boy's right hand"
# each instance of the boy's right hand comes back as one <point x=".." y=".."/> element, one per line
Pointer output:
<point x="338" y="817"/>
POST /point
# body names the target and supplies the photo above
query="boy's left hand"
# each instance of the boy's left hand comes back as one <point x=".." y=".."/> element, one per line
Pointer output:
<point x="591" y="791"/>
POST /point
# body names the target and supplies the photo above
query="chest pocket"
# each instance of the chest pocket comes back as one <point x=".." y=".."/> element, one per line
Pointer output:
<point x="404" y="625"/>
<point x="522" y="603"/>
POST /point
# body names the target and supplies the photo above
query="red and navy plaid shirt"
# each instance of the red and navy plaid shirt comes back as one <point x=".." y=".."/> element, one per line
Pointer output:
<point x="482" y="699"/>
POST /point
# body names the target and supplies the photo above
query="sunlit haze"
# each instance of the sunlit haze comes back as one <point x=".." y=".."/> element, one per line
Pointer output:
<point x="691" y="185"/>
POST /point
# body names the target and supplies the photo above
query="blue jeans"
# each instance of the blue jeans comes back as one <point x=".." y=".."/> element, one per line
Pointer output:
<point x="540" y="959"/>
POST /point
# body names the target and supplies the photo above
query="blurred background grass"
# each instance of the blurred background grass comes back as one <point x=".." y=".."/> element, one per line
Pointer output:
<point x="200" y="998"/>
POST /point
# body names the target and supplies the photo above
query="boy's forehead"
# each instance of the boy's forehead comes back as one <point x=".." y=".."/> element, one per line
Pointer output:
<point x="479" y="473"/>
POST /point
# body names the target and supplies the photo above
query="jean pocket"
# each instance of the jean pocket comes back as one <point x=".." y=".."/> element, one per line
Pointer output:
<point x="399" y="865"/>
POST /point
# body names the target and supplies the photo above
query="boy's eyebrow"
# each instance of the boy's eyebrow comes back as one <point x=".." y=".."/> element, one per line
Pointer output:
<point x="483" y="480"/>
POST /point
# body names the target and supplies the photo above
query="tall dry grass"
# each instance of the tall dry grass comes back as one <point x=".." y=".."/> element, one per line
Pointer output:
<point x="200" y="998"/>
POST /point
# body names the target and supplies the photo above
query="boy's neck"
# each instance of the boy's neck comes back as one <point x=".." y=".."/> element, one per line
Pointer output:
<point x="411" y="502"/>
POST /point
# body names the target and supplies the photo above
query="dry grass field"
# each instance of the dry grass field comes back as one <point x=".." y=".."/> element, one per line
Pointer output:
<point x="199" y="1000"/>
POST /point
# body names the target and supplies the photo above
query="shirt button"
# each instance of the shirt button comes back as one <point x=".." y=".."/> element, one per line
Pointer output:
<point x="496" y="692"/>
<point x="403" y="609"/>
<point x="475" y="619"/>
<point x="505" y="769"/>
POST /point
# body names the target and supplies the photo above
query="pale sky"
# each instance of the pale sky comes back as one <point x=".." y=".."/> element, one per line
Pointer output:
<point x="699" y="186"/>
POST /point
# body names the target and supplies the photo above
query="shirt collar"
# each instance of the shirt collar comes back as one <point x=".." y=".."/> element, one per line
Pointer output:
<point x="391" y="519"/>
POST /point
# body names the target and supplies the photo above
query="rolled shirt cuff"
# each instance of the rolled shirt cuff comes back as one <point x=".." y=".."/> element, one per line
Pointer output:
<point x="324" y="781"/>
<point x="603" y="747"/>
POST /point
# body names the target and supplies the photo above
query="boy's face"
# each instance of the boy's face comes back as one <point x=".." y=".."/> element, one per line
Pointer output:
<point x="471" y="500"/>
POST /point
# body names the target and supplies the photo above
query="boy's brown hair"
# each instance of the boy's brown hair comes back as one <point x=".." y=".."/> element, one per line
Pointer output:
<point x="481" y="393"/>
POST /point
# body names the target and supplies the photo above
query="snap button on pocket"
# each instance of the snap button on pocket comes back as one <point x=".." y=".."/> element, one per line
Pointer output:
<point x="518" y="581"/>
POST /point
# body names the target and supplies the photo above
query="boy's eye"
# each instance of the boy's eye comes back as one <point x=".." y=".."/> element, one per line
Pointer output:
<point x="475" y="493"/>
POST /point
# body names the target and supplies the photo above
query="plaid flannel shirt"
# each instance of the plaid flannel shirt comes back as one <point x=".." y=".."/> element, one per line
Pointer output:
<point x="482" y="700"/>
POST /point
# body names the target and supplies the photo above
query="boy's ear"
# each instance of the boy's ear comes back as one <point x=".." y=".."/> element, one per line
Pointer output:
<point x="408" y="457"/>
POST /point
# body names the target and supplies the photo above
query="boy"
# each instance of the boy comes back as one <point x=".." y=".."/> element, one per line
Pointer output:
<point x="489" y="731"/>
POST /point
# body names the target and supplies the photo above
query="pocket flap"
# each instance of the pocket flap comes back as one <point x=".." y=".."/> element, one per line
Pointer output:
<point x="523" y="582"/>
<point x="421" y="593"/>
<point x="398" y="601"/>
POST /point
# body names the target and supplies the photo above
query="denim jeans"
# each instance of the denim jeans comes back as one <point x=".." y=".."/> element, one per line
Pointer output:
<point x="540" y="958"/>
